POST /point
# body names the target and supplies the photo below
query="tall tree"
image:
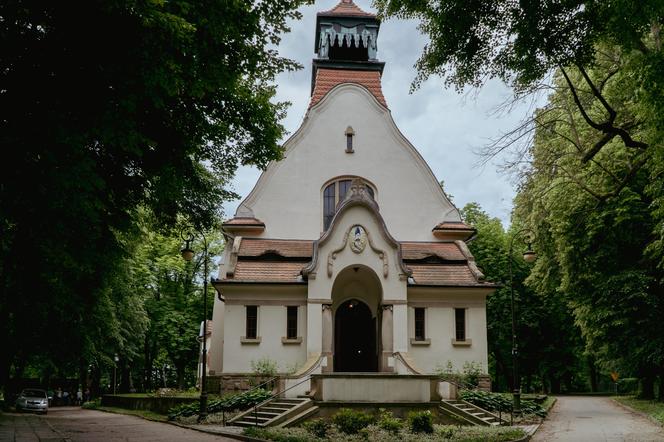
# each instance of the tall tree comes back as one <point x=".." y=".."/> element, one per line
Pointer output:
<point x="550" y="348"/>
<point x="108" y="105"/>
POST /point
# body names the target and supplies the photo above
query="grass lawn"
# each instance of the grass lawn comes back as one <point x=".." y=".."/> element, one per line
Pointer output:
<point x="548" y="403"/>
<point x="653" y="409"/>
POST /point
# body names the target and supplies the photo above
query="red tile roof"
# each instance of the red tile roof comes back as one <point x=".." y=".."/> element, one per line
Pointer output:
<point x="348" y="8"/>
<point x="443" y="274"/>
<point x="285" y="247"/>
<point x="421" y="250"/>
<point x="251" y="267"/>
<point x="244" y="222"/>
<point x="326" y="79"/>
<point x="453" y="226"/>
<point x="273" y="271"/>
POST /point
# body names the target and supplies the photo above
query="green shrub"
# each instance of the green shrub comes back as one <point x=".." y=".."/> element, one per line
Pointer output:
<point x="228" y="403"/>
<point x="486" y="400"/>
<point x="278" y="434"/>
<point x="498" y="402"/>
<point x="351" y="422"/>
<point x="317" y="427"/>
<point x="92" y="405"/>
<point x="471" y="373"/>
<point x="388" y="422"/>
<point x="420" y="421"/>
<point x="264" y="367"/>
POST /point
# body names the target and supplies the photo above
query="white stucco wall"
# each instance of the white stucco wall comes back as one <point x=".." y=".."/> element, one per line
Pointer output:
<point x="271" y="329"/>
<point x="440" y="328"/>
<point x="409" y="196"/>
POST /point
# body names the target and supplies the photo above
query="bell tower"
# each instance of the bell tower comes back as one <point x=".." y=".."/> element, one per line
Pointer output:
<point x="346" y="39"/>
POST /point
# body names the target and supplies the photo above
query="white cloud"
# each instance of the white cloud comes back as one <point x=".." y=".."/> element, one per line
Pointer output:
<point x="446" y="127"/>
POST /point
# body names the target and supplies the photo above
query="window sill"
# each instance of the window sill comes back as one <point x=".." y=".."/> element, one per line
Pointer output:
<point x="414" y="341"/>
<point x="250" y="341"/>
<point x="291" y="341"/>
<point x="466" y="343"/>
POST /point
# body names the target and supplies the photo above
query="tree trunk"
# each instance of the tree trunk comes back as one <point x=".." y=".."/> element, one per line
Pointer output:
<point x="647" y="390"/>
<point x="555" y="384"/>
<point x="125" y="379"/>
<point x="180" y="372"/>
<point x="592" y="368"/>
<point x="660" y="393"/>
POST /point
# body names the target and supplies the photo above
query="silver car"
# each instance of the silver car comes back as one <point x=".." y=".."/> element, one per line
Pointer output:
<point x="32" y="399"/>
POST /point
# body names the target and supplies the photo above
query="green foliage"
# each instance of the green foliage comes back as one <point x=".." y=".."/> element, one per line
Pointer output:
<point x="467" y="378"/>
<point x="264" y="367"/>
<point x="420" y="421"/>
<point x="278" y="434"/>
<point x="653" y="409"/>
<point x="550" y="347"/>
<point x="155" y="107"/>
<point x="350" y="421"/>
<point x="229" y="403"/>
<point x="388" y="422"/>
<point x="317" y="427"/>
<point x="92" y="405"/>
<point x="500" y="402"/>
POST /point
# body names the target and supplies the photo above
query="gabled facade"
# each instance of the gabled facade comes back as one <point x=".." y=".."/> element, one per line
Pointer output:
<point x="347" y="256"/>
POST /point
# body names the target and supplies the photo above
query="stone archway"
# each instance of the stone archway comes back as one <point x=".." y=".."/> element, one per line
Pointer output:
<point x="356" y="306"/>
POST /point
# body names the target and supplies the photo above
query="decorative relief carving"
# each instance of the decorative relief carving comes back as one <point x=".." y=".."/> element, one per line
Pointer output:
<point x="358" y="239"/>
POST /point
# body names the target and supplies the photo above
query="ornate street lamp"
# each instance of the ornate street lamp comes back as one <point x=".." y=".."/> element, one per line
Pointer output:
<point x="529" y="256"/>
<point x="187" y="253"/>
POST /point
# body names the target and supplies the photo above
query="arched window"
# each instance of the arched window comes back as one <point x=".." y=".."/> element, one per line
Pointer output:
<point x="333" y="194"/>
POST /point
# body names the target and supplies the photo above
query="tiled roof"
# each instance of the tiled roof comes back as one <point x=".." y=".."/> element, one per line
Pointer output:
<point x="284" y="247"/>
<point x="244" y="222"/>
<point x="421" y="250"/>
<point x="348" y="8"/>
<point x="326" y="79"/>
<point x="453" y="226"/>
<point x="443" y="274"/>
<point x="274" y="271"/>
<point x="251" y="267"/>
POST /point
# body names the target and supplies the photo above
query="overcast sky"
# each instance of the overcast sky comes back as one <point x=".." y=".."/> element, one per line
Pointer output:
<point x="447" y="128"/>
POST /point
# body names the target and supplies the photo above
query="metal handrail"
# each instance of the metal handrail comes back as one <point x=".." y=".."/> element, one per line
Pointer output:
<point x="275" y="395"/>
<point x="272" y="379"/>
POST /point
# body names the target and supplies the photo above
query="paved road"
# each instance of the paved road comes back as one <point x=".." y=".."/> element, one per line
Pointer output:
<point x="77" y="425"/>
<point x="590" y="419"/>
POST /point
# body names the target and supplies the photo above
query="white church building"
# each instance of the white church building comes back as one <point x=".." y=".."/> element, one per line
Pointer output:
<point x="347" y="256"/>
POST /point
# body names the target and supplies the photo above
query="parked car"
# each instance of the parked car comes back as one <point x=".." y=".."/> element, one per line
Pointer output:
<point x="32" y="399"/>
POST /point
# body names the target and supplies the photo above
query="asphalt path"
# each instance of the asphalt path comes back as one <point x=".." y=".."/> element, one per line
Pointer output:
<point x="590" y="419"/>
<point x="78" y="425"/>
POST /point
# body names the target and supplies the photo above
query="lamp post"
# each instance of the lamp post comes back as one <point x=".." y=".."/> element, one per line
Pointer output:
<point x="116" y="359"/>
<point x="529" y="256"/>
<point x="187" y="235"/>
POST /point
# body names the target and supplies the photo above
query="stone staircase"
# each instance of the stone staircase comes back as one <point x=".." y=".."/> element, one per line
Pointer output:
<point x="470" y="413"/>
<point x="280" y="412"/>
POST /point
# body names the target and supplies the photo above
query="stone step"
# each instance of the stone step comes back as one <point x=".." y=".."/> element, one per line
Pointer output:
<point x="245" y="423"/>
<point x="299" y="417"/>
<point x="269" y="407"/>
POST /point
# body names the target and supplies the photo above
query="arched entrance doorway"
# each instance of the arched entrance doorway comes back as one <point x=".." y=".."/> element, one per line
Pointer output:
<point x="356" y="295"/>
<point x="355" y="338"/>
